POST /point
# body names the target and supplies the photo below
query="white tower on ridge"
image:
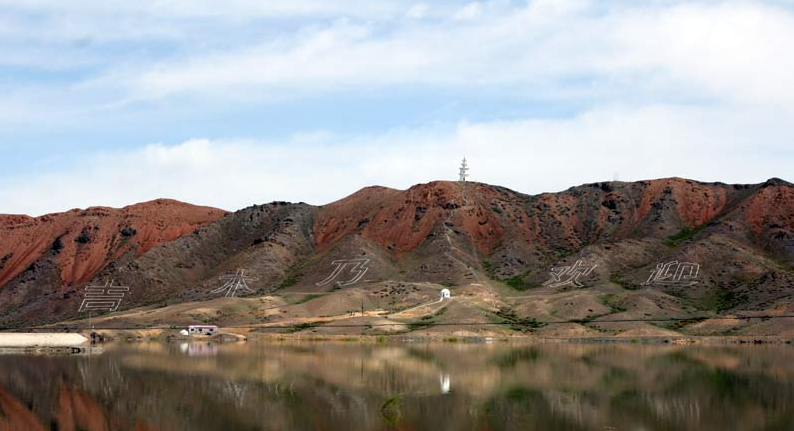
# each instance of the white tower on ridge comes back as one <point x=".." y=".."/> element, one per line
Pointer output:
<point x="464" y="173"/>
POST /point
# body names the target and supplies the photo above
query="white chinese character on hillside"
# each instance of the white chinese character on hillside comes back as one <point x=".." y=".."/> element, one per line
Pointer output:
<point x="235" y="283"/>
<point x="358" y="267"/>
<point x="569" y="275"/>
<point x="674" y="273"/>
<point x="107" y="297"/>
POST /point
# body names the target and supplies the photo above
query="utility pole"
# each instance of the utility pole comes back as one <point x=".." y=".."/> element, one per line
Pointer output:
<point x="464" y="173"/>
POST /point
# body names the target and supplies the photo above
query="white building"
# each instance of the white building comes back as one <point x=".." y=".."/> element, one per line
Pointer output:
<point x="202" y="329"/>
<point x="445" y="294"/>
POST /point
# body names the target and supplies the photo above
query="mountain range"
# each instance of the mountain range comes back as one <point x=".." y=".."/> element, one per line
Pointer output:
<point x="649" y="257"/>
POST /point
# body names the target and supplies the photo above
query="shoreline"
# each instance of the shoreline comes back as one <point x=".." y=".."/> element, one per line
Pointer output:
<point x="86" y="337"/>
<point x="683" y="340"/>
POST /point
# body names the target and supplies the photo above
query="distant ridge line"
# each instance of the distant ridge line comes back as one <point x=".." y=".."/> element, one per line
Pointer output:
<point x="357" y="325"/>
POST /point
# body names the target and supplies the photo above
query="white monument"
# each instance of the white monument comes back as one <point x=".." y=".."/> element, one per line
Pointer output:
<point x="445" y="294"/>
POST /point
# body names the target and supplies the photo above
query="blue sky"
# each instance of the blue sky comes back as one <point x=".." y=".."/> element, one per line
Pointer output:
<point x="115" y="102"/>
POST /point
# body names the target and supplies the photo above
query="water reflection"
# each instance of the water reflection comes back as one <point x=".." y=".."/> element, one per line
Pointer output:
<point x="445" y="383"/>
<point x="351" y="386"/>
<point x="199" y="348"/>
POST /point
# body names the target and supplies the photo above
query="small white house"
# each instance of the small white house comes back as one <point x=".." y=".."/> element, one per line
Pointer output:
<point x="445" y="294"/>
<point x="202" y="329"/>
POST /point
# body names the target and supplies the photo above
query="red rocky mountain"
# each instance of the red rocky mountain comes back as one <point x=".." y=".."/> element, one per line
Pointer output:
<point x="740" y="236"/>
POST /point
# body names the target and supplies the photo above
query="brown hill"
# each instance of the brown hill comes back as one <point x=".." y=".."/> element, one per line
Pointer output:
<point x="79" y="243"/>
<point x="738" y="241"/>
<point x="501" y="225"/>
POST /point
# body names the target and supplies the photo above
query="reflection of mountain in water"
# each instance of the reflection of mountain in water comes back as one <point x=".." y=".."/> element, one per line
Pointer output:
<point x="365" y="387"/>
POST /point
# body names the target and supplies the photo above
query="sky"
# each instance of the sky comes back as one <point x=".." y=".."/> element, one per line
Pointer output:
<point x="241" y="102"/>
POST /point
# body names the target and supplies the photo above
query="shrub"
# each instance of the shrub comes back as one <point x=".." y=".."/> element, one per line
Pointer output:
<point x="685" y="234"/>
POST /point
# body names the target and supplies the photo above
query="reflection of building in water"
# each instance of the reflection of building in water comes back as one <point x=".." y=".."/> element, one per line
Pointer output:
<point x="199" y="349"/>
<point x="444" y="382"/>
<point x="445" y="294"/>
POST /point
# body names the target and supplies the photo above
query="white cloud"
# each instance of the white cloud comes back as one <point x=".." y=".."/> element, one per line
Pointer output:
<point x="698" y="89"/>
<point x="727" y="51"/>
<point x="530" y="155"/>
<point x="468" y="12"/>
<point x="232" y="9"/>
<point x="732" y="50"/>
<point x="418" y="10"/>
<point x="583" y="51"/>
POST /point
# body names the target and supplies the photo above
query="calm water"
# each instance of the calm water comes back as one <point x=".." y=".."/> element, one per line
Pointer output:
<point x="352" y="386"/>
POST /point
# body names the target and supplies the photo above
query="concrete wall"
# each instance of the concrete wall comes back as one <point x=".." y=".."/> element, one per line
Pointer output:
<point x="41" y="340"/>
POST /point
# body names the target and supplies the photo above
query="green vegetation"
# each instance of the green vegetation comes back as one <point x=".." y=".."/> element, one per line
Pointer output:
<point x="302" y="327"/>
<point x="415" y="326"/>
<point x="391" y="410"/>
<point x="519" y="283"/>
<point x="685" y="234"/>
<point x="425" y="321"/>
<point x="522" y="394"/>
<point x="615" y="278"/>
<point x="293" y="275"/>
<point x="585" y="320"/>
<point x="520" y="324"/>
<point x="612" y="301"/>
<point x="291" y="280"/>
<point x="725" y="300"/>
<point x="489" y="268"/>
<point x="307" y="298"/>
<point x="510" y="360"/>
<point x="679" y="325"/>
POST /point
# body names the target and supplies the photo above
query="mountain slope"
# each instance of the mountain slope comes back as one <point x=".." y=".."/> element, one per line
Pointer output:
<point x="601" y="242"/>
<point x="46" y="256"/>
<point x="82" y="242"/>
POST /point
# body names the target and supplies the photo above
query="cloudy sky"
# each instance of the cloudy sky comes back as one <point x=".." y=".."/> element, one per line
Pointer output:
<point x="232" y="103"/>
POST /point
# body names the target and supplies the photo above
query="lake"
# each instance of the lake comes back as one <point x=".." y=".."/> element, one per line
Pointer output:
<point x="415" y="386"/>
